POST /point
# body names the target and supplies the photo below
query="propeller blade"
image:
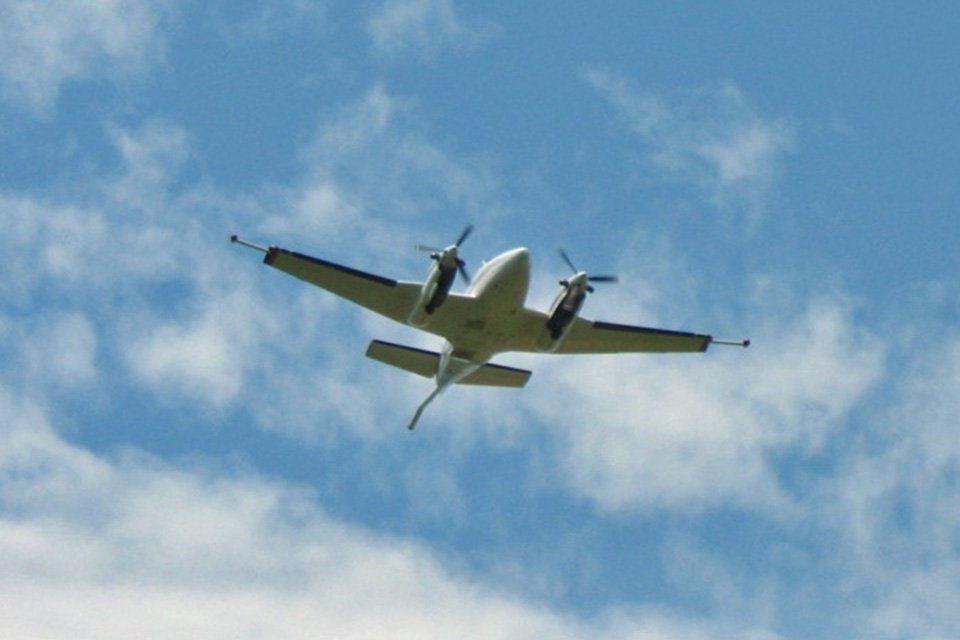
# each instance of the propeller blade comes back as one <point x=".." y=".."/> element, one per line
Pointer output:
<point x="464" y="235"/>
<point x="428" y="249"/>
<point x="566" y="258"/>
<point x="573" y="267"/>
<point x="462" y="266"/>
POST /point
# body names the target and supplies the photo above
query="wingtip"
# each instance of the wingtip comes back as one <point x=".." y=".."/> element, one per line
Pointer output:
<point x="732" y="343"/>
<point x="237" y="240"/>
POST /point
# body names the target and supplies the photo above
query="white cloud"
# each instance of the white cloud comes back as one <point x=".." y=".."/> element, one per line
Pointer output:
<point x="152" y="156"/>
<point x="146" y="259"/>
<point x="372" y="175"/>
<point x="103" y="256"/>
<point x="422" y="27"/>
<point x="50" y="243"/>
<point x="358" y="125"/>
<point x="713" y="138"/>
<point x="896" y="502"/>
<point x="166" y="552"/>
<point x="688" y="432"/>
<point x="318" y="209"/>
<point x="46" y="44"/>
<point x="57" y="350"/>
<point x="206" y="356"/>
<point x="108" y="232"/>
<point x="279" y="17"/>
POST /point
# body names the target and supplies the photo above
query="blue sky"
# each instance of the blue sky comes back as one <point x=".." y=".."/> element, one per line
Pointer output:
<point x="193" y="444"/>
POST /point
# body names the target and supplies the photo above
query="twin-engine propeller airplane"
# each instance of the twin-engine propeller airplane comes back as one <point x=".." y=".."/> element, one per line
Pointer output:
<point x="489" y="318"/>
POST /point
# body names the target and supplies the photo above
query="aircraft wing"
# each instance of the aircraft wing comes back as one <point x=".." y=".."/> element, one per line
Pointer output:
<point x="591" y="336"/>
<point x="391" y="298"/>
<point x="395" y="299"/>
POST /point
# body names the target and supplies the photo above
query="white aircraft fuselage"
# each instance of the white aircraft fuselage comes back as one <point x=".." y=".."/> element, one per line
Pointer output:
<point x="500" y="290"/>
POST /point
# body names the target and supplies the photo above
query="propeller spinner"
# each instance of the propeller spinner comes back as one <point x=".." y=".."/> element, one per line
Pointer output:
<point x="448" y="258"/>
<point x="602" y="278"/>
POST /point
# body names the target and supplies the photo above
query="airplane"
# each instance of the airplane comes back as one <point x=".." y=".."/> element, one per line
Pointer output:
<point x="489" y="318"/>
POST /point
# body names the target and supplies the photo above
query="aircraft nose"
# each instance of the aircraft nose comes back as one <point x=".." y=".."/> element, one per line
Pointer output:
<point x="520" y="256"/>
<point x="518" y="260"/>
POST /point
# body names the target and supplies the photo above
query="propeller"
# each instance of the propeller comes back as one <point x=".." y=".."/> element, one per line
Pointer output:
<point x="449" y="255"/>
<point x="603" y="278"/>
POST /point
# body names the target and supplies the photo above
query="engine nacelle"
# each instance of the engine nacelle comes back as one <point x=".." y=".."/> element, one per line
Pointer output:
<point x="563" y="313"/>
<point x="440" y="292"/>
<point x="433" y="293"/>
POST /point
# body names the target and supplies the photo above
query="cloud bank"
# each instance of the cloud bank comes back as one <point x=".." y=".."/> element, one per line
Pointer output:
<point x="44" y="45"/>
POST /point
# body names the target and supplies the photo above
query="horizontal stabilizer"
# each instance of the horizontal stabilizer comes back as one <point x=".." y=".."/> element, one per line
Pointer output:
<point x="424" y="363"/>
<point x="418" y="361"/>
<point x="495" y="375"/>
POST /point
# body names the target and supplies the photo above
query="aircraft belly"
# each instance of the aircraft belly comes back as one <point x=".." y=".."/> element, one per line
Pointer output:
<point x="499" y="293"/>
<point x="481" y="334"/>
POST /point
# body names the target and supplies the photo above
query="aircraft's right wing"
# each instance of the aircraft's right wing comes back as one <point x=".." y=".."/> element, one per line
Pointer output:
<point x="391" y="298"/>
<point x="394" y="299"/>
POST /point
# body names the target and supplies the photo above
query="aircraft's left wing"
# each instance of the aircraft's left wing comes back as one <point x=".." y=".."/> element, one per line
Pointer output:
<point x="592" y="336"/>
<point x="391" y="298"/>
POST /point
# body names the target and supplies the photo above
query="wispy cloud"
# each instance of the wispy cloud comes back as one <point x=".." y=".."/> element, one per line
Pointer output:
<point x="422" y="28"/>
<point x="118" y="246"/>
<point x="371" y="173"/>
<point x="283" y="16"/>
<point x="151" y="156"/>
<point x="712" y="137"/>
<point x="56" y="351"/>
<point x="896" y="501"/>
<point x="203" y="356"/>
<point x="672" y="433"/>
<point x="46" y="44"/>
